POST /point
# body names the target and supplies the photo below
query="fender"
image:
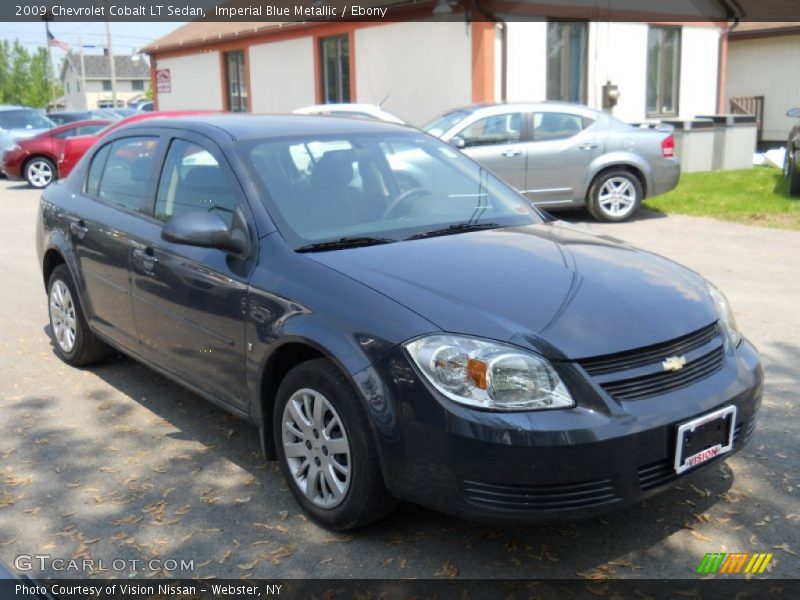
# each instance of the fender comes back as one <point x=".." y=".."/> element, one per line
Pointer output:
<point x="616" y="159"/>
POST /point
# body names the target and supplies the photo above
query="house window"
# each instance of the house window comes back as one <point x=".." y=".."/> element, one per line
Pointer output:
<point x="236" y="81"/>
<point x="67" y="84"/>
<point x="566" y="61"/>
<point x="663" y="70"/>
<point x="137" y="85"/>
<point x="106" y="85"/>
<point x="335" y="61"/>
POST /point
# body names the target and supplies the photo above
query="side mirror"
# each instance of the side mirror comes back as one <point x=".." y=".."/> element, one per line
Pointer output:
<point x="793" y="113"/>
<point x="205" y="230"/>
<point x="458" y="142"/>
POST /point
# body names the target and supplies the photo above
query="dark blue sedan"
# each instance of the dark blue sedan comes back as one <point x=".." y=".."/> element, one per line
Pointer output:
<point x="397" y="321"/>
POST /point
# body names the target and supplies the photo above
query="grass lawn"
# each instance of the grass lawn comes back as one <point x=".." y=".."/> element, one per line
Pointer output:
<point x="757" y="196"/>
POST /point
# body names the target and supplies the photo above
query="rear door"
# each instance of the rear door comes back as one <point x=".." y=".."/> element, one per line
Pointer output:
<point x="496" y="141"/>
<point x="562" y="146"/>
<point x="107" y="215"/>
<point x="190" y="302"/>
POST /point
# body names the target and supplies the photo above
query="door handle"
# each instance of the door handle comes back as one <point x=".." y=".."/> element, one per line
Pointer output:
<point x="145" y="258"/>
<point x="510" y="153"/>
<point x="79" y="229"/>
<point x="588" y="146"/>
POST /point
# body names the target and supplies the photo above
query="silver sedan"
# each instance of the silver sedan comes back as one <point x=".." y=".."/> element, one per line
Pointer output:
<point x="566" y="156"/>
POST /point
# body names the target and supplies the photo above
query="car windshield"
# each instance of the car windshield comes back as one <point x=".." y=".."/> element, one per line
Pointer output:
<point x="444" y="123"/>
<point x="377" y="186"/>
<point x="24" y="118"/>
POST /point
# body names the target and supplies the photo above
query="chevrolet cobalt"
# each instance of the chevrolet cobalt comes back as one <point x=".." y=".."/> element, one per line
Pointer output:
<point x="396" y="321"/>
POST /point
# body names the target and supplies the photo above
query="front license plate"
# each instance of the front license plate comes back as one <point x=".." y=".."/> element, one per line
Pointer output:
<point x="704" y="438"/>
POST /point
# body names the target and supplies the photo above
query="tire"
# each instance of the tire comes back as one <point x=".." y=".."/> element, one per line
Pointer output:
<point x="74" y="342"/>
<point x="340" y="440"/>
<point x="40" y="172"/>
<point x="614" y="196"/>
<point x="793" y="174"/>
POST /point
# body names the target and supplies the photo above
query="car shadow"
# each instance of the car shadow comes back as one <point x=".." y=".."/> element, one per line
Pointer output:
<point x="199" y="445"/>
<point x="582" y="215"/>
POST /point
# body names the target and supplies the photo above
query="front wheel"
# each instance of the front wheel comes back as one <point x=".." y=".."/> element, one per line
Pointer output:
<point x="326" y="450"/>
<point x="75" y="343"/>
<point x="614" y="196"/>
<point x="40" y="172"/>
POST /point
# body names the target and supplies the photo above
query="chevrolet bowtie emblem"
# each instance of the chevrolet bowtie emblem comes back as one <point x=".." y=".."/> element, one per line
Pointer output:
<point x="674" y="363"/>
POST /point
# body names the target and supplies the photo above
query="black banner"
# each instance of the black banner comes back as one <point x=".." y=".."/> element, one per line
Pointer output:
<point x="293" y="11"/>
<point x="381" y="589"/>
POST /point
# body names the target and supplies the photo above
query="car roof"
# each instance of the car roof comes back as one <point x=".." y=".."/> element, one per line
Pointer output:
<point x="247" y="127"/>
<point x="15" y="107"/>
<point x="543" y="105"/>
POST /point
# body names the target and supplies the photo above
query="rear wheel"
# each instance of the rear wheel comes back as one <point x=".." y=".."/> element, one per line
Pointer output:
<point x="326" y="450"/>
<point x="74" y="342"/>
<point x="793" y="173"/>
<point x="40" y="172"/>
<point x="615" y="195"/>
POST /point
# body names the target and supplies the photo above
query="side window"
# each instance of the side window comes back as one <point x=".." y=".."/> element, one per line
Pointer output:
<point x="96" y="170"/>
<point x="191" y="181"/>
<point x="89" y="129"/>
<point x="66" y="133"/>
<point x="558" y="126"/>
<point x="126" y="173"/>
<point x="497" y="129"/>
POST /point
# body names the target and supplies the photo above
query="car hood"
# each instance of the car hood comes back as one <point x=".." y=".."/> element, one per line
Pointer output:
<point x="9" y="136"/>
<point x="565" y="292"/>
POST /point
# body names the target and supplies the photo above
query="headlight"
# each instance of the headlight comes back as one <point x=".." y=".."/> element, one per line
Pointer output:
<point x="489" y="375"/>
<point x="725" y="314"/>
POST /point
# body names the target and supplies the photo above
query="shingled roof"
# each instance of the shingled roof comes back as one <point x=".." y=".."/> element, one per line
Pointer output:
<point x="99" y="67"/>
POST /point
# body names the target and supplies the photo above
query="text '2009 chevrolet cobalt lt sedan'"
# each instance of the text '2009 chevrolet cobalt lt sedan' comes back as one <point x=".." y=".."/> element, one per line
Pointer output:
<point x="398" y="322"/>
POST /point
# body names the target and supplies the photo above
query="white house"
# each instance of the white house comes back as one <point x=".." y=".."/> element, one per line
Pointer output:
<point x="764" y="74"/>
<point x="87" y="80"/>
<point x="419" y="68"/>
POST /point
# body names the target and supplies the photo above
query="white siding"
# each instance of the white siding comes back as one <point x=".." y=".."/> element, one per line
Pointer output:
<point x="423" y="68"/>
<point x="196" y="82"/>
<point x="282" y="75"/>
<point x="768" y="67"/>
<point x="618" y="53"/>
<point x="699" y="71"/>
<point x="526" y="75"/>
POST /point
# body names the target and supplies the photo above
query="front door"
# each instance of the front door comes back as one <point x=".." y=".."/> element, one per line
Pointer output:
<point x="496" y="142"/>
<point x="190" y="302"/>
<point x="559" y="153"/>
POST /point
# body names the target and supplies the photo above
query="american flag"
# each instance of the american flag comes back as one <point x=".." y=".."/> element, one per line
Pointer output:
<point x="53" y="41"/>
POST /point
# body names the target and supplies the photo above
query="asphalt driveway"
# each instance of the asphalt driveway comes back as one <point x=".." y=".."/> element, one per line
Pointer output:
<point x="116" y="462"/>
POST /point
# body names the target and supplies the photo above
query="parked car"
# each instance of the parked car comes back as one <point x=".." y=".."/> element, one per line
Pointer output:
<point x="19" y="122"/>
<point x="448" y="345"/>
<point x="356" y="111"/>
<point x="34" y="159"/>
<point x="62" y="118"/>
<point x="791" y="167"/>
<point x="143" y="106"/>
<point x="563" y="155"/>
<point x="76" y="146"/>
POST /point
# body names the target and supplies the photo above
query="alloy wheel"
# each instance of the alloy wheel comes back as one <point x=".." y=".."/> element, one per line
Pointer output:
<point x="39" y="173"/>
<point x="316" y="447"/>
<point x="62" y="316"/>
<point x="617" y="197"/>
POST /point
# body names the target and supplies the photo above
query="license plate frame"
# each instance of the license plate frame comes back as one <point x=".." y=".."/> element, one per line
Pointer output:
<point x="702" y="426"/>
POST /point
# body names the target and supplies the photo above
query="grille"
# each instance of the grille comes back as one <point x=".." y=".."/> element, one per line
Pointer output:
<point x="612" y="363"/>
<point x="540" y="497"/>
<point x="662" y="382"/>
<point x="663" y="472"/>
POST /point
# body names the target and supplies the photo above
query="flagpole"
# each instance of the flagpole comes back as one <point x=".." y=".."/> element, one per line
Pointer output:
<point x="48" y="71"/>
<point x="83" y="77"/>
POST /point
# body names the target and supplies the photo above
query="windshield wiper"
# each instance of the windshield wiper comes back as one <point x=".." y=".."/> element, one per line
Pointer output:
<point x="451" y="229"/>
<point x="345" y="242"/>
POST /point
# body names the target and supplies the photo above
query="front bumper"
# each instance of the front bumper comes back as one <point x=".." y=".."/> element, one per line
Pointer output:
<point x="528" y="467"/>
<point x="11" y="165"/>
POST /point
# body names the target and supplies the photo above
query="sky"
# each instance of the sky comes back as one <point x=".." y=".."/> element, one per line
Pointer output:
<point x="127" y="38"/>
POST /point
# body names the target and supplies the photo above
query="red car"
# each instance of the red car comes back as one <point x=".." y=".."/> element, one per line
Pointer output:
<point x="77" y="146"/>
<point x="34" y="159"/>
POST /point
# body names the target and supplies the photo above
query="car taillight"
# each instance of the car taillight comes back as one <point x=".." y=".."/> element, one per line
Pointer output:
<point x="668" y="146"/>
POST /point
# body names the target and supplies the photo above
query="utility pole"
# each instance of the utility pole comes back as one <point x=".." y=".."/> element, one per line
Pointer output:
<point x="83" y="77"/>
<point x="113" y="66"/>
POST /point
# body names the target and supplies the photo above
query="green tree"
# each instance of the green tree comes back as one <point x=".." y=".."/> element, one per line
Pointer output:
<point x="24" y="76"/>
<point x="5" y="50"/>
<point x="37" y="92"/>
<point x="19" y="74"/>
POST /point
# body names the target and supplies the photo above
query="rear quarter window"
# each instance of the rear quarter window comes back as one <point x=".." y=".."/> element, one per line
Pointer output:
<point x="120" y="172"/>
